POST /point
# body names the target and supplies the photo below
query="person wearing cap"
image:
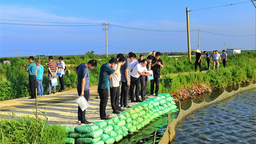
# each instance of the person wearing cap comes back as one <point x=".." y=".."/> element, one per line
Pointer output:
<point x="39" y="78"/>
<point x="141" y="58"/>
<point x="198" y="60"/>
<point x="208" y="57"/>
<point x="52" y="71"/>
<point x="61" y="68"/>
<point x="157" y="65"/>
<point x="32" y="70"/>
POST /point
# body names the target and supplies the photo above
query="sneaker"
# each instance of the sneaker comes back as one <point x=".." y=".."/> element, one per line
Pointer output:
<point x="53" y="92"/>
<point x="105" y="118"/>
<point x="85" y="122"/>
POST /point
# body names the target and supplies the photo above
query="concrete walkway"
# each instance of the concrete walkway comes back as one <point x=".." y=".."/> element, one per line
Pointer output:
<point x="59" y="108"/>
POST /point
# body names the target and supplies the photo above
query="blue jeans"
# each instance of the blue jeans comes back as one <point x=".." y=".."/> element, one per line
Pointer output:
<point x="40" y="89"/>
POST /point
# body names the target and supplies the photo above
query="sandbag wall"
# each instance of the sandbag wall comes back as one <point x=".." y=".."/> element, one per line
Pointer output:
<point x="129" y="121"/>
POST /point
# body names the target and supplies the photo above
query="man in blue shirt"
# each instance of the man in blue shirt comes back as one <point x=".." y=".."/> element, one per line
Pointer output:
<point x="207" y="59"/>
<point x="83" y="84"/>
<point x="39" y="78"/>
<point x="105" y="71"/>
<point x="224" y="58"/>
<point x="32" y="77"/>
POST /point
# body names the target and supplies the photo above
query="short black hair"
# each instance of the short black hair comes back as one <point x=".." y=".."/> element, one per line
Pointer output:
<point x="119" y="55"/>
<point x="93" y="63"/>
<point x="158" y="54"/>
<point x="143" y="61"/>
<point x="204" y="51"/>
<point x="150" y="57"/>
<point x="141" y="55"/>
<point x="60" y="58"/>
<point x="50" y="57"/>
<point x="132" y="55"/>
<point x="113" y="60"/>
<point x="223" y="50"/>
<point x="122" y="59"/>
<point x="31" y="57"/>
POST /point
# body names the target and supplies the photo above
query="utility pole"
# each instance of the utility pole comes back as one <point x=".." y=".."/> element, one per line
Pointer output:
<point x="254" y="3"/>
<point x="225" y="46"/>
<point x="198" y="39"/>
<point x="106" y="31"/>
<point x="188" y="35"/>
<point x="18" y="53"/>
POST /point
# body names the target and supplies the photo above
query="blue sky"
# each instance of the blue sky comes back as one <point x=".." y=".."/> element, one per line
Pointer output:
<point x="169" y="15"/>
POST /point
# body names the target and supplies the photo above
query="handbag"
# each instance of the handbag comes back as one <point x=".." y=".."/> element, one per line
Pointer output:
<point x="82" y="103"/>
<point x="54" y="81"/>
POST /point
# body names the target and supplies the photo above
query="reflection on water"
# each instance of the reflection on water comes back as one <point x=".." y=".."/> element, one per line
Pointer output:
<point x="231" y="121"/>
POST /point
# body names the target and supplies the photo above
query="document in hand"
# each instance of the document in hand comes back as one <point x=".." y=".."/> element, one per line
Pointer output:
<point x="150" y="77"/>
<point x="60" y="72"/>
<point x="54" y="82"/>
<point x="82" y="103"/>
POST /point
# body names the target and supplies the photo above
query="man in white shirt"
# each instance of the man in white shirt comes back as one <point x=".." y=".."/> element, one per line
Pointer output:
<point x="61" y="68"/>
<point x="114" y="85"/>
<point x="216" y="60"/>
<point x="139" y="70"/>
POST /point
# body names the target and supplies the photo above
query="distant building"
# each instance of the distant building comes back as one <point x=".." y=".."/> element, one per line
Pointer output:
<point x="233" y="51"/>
<point x="7" y="62"/>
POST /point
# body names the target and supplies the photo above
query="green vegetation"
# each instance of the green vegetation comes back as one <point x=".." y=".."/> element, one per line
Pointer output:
<point x="14" y="79"/>
<point x="27" y="130"/>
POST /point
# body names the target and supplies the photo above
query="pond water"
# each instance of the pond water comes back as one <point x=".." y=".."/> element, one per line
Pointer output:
<point x="230" y="121"/>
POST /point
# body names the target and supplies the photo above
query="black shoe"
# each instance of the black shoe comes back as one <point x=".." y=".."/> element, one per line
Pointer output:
<point x="53" y="92"/>
<point x="138" y="100"/>
<point x="31" y="98"/>
<point x="49" y="94"/>
<point x="105" y="118"/>
<point x="120" y="109"/>
<point x="128" y="107"/>
<point x="133" y="101"/>
<point x="116" y="112"/>
<point x="85" y="122"/>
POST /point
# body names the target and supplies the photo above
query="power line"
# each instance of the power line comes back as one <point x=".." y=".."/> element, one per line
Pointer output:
<point x="27" y="24"/>
<point x="227" y="35"/>
<point x="226" y="5"/>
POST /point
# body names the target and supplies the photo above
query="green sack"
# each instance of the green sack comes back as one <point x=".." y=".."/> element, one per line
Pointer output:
<point x="173" y="106"/>
<point x="139" y="126"/>
<point x="136" y="109"/>
<point x="115" y="119"/>
<point x="134" y="122"/>
<point x="164" y="94"/>
<point x="175" y="110"/>
<point x="132" y="129"/>
<point x="123" y="128"/>
<point x="128" y="120"/>
<point x="70" y="141"/>
<point x="112" y="134"/>
<point x="165" y="106"/>
<point x="166" y="110"/>
<point x="109" y="141"/>
<point x="156" y="104"/>
<point x="130" y="111"/>
<point x="140" y="107"/>
<point x="169" y="99"/>
<point x="121" y="117"/>
<point x="94" y="134"/>
<point x="128" y="125"/>
<point x="158" y="98"/>
<point x="69" y="129"/>
<point x="142" y="113"/>
<point x="119" y="131"/>
<point x="161" y="108"/>
<point x="121" y="123"/>
<point x="125" y="133"/>
<point x="126" y="114"/>
<point x="150" y="106"/>
<point x="162" y="101"/>
<point x="86" y="129"/>
<point x="109" y="122"/>
<point x="87" y="140"/>
<point x="146" y="109"/>
<point x="104" y="137"/>
<point x="173" y="102"/>
<point x="134" y="116"/>
<point x="118" y="138"/>
<point x="116" y="127"/>
<point x="107" y="129"/>
<point x="99" y="142"/>
<point x="100" y="124"/>
<point x="140" y="120"/>
<point x="74" y="135"/>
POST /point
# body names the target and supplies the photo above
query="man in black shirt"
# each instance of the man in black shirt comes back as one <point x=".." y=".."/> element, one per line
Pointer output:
<point x="207" y="59"/>
<point x="198" y="60"/>
<point x="157" y="64"/>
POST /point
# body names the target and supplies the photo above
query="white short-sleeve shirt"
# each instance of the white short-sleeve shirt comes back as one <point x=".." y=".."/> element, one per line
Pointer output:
<point x="138" y="68"/>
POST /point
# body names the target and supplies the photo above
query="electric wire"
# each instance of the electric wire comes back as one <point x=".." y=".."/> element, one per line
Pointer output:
<point x="59" y="25"/>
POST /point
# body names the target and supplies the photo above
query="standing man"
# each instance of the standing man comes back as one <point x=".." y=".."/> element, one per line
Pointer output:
<point x="154" y="53"/>
<point x="216" y="57"/>
<point x="224" y="58"/>
<point x="39" y="78"/>
<point x="105" y="71"/>
<point x="115" y="86"/>
<point x="157" y="64"/>
<point x="52" y="70"/>
<point x="83" y="84"/>
<point x="198" y="60"/>
<point x="144" y="79"/>
<point x="61" y="68"/>
<point x="125" y="79"/>
<point x="133" y="62"/>
<point x="207" y="59"/>
<point x="139" y="70"/>
<point x="140" y="59"/>
<point x="32" y="77"/>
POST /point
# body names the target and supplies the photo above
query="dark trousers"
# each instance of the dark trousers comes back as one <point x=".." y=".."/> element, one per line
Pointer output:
<point x="124" y="94"/>
<point x="61" y="82"/>
<point x="32" y="86"/>
<point x="224" y="62"/>
<point x="103" y="102"/>
<point x="135" y="82"/>
<point x="143" y="86"/>
<point x="208" y="63"/>
<point x="114" y="95"/>
<point x="81" y="114"/>
<point x="130" y="90"/>
<point x="153" y="82"/>
<point x="197" y="64"/>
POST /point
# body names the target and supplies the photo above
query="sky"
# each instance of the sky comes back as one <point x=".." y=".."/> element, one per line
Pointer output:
<point x="135" y="25"/>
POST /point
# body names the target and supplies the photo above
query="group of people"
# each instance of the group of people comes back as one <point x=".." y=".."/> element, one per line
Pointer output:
<point x="216" y="59"/>
<point x="36" y="71"/>
<point x="125" y="72"/>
